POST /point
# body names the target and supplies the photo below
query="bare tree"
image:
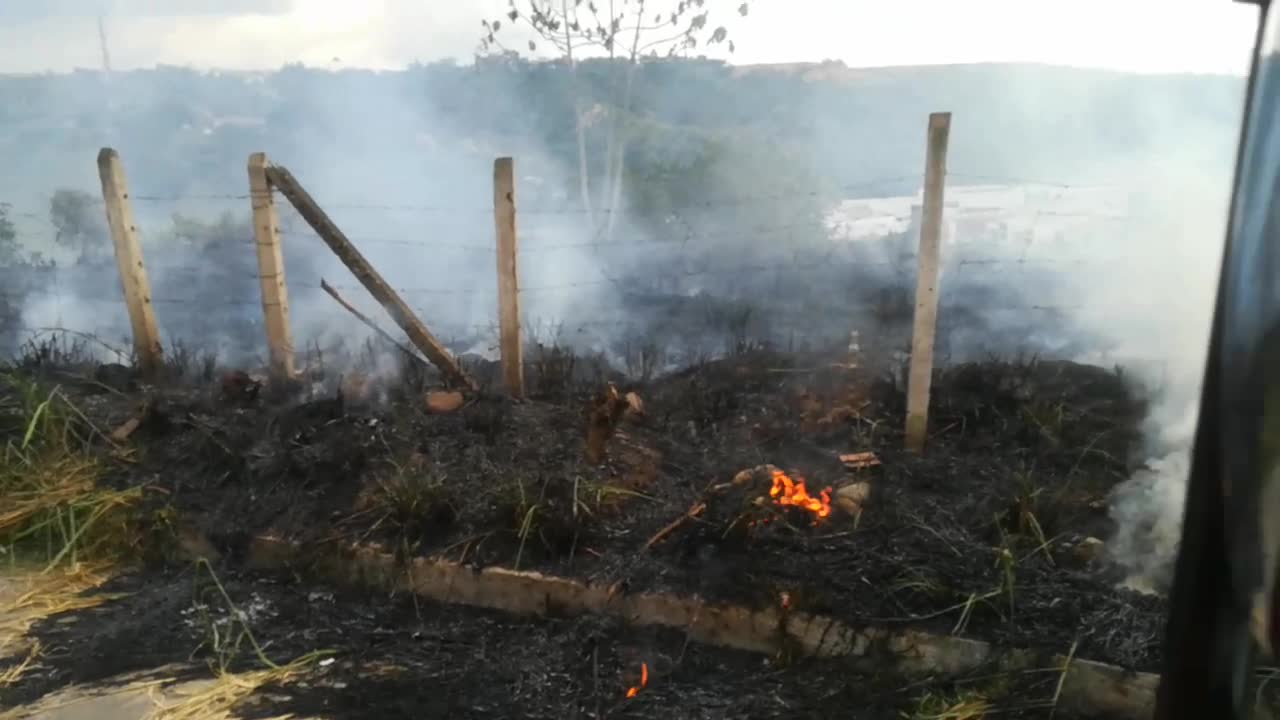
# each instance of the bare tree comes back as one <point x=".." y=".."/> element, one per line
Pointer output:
<point x="79" y="223"/>
<point x="10" y="250"/>
<point x="626" y="32"/>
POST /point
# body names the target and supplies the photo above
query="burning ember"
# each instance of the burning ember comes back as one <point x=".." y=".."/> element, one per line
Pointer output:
<point x="788" y="492"/>
<point x="644" y="680"/>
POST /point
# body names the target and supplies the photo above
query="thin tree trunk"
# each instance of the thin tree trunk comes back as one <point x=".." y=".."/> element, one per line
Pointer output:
<point x="584" y="176"/>
<point x="615" y="183"/>
<point x="611" y="137"/>
<point x="619" y="131"/>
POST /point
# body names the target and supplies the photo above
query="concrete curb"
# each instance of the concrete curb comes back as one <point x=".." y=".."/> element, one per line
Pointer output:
<point x="1088" y="687"/>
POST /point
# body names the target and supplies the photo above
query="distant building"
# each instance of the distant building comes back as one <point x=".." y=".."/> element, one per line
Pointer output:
<point x="1001" y="215"/>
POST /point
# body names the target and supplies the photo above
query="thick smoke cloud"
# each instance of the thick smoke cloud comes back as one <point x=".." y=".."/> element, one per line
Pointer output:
<point x="27" y="10"/>
<point x="403" y="162"/>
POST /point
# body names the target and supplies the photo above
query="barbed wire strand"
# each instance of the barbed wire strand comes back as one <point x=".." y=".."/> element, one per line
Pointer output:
<point x="682" y="236"/>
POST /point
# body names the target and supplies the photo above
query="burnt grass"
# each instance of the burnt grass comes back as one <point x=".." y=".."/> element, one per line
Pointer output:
<point x="980" y="535"/>
<point x="394" y="658"/>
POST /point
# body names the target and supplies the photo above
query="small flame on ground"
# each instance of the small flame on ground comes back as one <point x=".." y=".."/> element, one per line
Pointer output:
<point x="644" y="680"/>
<point x="786" y="491"/>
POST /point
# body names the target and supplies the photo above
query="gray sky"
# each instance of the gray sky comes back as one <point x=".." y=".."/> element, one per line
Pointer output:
<point x="1141" y="35"/>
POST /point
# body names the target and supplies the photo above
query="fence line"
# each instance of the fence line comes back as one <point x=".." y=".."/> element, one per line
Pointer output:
<point x="721" y="272"/>
<point x="537" y="240"/>
<point x="568" y="206"/>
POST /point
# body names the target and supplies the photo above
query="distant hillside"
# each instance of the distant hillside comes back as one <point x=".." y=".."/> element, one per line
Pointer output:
<point x="730" y="173"/>
<point x="433" y="129"/>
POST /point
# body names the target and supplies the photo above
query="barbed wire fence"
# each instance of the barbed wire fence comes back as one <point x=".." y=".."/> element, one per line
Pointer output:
<point x="807" y="278"/>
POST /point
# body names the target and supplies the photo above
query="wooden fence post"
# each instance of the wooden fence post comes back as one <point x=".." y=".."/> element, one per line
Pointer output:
<point x="926" y="313"/>
<point x="275" y="293"/>
<point x="133" y="272"/>
<point x="346" y="251"/>
<point x="504" y="218"/>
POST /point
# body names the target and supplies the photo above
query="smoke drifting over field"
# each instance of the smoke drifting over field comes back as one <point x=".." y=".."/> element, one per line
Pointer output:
<point x="719" y="242"/>
<point x="1166" y="316"/>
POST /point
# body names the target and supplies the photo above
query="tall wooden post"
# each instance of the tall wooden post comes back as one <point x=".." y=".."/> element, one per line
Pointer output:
<point x="133" y="272"/>
<point x="926" y="313"/>
<point x="275" y="293"/>
<point x="504" y="219"/>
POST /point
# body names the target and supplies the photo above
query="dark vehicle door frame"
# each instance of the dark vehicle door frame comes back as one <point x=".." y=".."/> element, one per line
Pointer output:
<point x="1209" y="646"/>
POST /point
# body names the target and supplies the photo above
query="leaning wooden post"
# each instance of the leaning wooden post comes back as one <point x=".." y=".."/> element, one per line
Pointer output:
<point x="133" y="272"/>
<point x="400" y="312"/>
<point x="926" y="312"/>
<point x="275" y="293"/>
<point x="504" y="219"/>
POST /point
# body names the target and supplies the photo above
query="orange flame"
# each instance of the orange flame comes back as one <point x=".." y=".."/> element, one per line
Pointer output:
<point x="644" y="680"/>
<point x="786" y="491"/>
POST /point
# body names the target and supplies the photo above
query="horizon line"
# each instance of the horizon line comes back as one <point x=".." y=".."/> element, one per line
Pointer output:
<point x="337" y="67"/>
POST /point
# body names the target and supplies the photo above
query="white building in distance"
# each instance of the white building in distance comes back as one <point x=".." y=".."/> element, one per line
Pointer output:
<point x="1007" y="216"/>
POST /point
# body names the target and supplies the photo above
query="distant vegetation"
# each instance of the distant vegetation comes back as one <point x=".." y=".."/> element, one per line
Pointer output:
<point x="699" y="124"/>
<point x="745" y="160"/>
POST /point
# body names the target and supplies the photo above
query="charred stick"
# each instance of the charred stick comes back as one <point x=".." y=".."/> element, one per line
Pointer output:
<point x="671" y="527"/>
<point x="370" y="323"/>
<point x="363" y="271"/>
<point x="126" y="428"/>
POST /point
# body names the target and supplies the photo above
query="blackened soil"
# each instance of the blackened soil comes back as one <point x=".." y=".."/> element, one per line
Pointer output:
<point x="978" y="536"/>
<point x="392" y="658"/>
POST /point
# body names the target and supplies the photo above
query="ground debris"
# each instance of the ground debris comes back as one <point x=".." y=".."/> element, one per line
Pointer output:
<point x="239" y="388"/>
<point x="859" y="461"/>
<point x="852" y="499"/>
<point x="1021" y="453"/>
<point x="444" y="401"/>
<point x="606" y="410"/>
<point x="401" y="659"/>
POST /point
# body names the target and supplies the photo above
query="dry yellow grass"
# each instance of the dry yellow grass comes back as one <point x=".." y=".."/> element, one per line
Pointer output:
<point x="33" y="596"/>
<point x="67" y="530"/>
<point x="15" y="673"/>
<point x="58" y="497"/>
<point x="967" y="706"/>
<point x="217" y="699"/>
<point x="50" y="499"/>
<point x="57" y="590"/>
<point x="52" y="704"/>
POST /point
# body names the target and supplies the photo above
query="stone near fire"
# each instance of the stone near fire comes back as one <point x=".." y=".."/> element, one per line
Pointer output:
<point x="762" y="473"/>
<point x="852" y="498"/>
<point x="444" y="401"/>
<point x="858" y="492"/>
<point x="1088" y="550"/>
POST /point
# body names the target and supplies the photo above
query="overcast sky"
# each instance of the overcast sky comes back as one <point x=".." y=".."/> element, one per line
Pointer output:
<point x="1141" y="35"/>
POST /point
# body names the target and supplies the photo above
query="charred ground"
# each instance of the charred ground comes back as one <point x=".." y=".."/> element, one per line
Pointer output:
<point x="984" y="535"/>
<point x="397" y="659"/>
